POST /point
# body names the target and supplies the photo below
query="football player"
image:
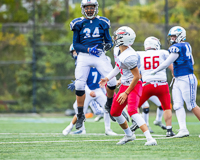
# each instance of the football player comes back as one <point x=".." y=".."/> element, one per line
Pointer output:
<point x="127" y="63"/>
<point x="95" y="97"/>
<point x="91" y="39"/>
<point x="185" y="85"/>
<point x="157" y="84"/>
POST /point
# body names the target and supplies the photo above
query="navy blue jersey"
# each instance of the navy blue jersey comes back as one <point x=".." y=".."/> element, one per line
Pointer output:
<point x="93" y="79"/>
<point x="88" y="33"/>
<point x="183" y="65"/>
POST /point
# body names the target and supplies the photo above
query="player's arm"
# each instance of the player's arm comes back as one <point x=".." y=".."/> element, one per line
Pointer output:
<point x="76" y="42"/>
<point x="172" y="57"/>
<point x="108" y="40"/>
<point x="112" y="74"/>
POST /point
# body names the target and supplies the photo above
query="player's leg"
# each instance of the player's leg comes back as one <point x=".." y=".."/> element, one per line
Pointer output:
<point x="159" y="112"/>
<point x="189" y="95"/>
<point x="162" y="93"/>
<point x="145" y="115"/>
<point x="97" y="110"/>
<point x="178" y="105"/>
<point x="133" y="102"/>
<point x="101" y="99"/>
<point x="69" y="128"/>
<point x="104" y="67"/>
<point x="81" y="74"/>
<point x="116" y="111"/>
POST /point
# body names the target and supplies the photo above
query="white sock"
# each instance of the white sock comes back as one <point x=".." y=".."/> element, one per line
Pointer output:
<point x="159" y="114"/>
<point x="148" y="135"/>
<point x="146" y="117"/>
<point x="181" y="117"/>
<point x="106" y="120"/>
<point x="71" y="125"/>
<point x="168" y="127"/>
<point x="128" y="132"/>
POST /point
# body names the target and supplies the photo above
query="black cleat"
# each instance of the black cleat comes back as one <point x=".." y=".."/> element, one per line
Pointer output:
<point x="134" y="126"/>
<point x="170" y="134"/>
<point x="80" y="120"/>
<point x="125" y="116"/>
<point x="107" y="108"/>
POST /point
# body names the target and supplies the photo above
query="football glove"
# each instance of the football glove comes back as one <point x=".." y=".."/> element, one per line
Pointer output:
<point x="107" y="46"/>
<point x="94" y="51"/>
<point x="71" y="86"/>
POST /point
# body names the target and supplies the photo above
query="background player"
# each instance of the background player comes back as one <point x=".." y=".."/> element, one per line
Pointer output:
<point x="94" y="95"/>
<point x="91" y="38"/>
<point x="129" y="93"/>
<point x="157" y="84"/>
<point x="185" y="85"/>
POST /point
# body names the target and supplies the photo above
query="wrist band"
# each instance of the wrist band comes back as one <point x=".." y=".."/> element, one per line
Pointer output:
<point x="126" y="93"/>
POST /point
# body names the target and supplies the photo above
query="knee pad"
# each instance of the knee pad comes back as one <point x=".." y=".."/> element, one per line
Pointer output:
<point x="177" y="106"/>
<point x="80" y="85"/>
<point x="80" y="93"/>
<point x="160" y="108"/>
<point x="146" y="110"/>
<point x="111" y="88"/>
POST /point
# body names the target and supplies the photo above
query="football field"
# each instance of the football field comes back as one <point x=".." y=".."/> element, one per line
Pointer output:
<point x="41" y="138"/>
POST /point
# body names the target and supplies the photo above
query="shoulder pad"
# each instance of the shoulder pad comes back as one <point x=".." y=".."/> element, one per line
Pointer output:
<point x="174" y="49"/>
<point x="74" y="24"/>
<point x="105" y="21"/>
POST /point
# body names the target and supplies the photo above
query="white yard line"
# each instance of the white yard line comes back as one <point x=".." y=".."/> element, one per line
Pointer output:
<point x="88" y="134"/>
<point x="70" y="141"/>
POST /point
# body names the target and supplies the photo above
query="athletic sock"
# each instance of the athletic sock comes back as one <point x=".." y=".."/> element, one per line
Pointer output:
<point x="159" y="114"/>
<point x="128" y="132"/>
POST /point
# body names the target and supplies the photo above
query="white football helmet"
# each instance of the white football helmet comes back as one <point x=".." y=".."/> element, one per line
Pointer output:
<point x="88" y="3"/>
<point x="152" y="43"/>
<point x="124" y="36"/>
<point x="179" y="32"/>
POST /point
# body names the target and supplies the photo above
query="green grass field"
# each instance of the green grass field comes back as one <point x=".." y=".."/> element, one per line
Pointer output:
<point x="41" y="138"/>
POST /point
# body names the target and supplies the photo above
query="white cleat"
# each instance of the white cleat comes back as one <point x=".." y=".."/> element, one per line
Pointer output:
<point x="79" y="132"/>
<point x="98" y="118"/>
<point x="126" y="139"/>
<point x="182" y="133"/>
<point x="67" y="130"/>
<point x="160" y="124"/>
<point x="109" y="132"/>
<point x="151" y="142"/>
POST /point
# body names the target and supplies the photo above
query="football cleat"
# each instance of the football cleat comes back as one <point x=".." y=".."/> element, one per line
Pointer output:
<point x="126" y="139"/>
<point x="151" y="142"/>
<point x="159" y="123"/>
<point x="67" y="130"/>
<point x="80" y="120"/>
<point x="98" y="118"/>
<point x="107" y="108"/>
<point x="109" y="132"/>
<point x="170" y="134"/>
<point x="79" y="132"/>
<point x="150" y="130"/>
<point x="134" y="126"/>
<point x="182" y="133"/>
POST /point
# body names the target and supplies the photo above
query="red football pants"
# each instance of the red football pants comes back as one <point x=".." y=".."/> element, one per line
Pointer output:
<point x="161" y="91"/>
<point x="132" y="101"/>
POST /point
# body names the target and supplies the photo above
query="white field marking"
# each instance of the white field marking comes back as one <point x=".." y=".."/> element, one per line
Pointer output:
<point x="69" y="141"/>
<point x="88" y="134"/>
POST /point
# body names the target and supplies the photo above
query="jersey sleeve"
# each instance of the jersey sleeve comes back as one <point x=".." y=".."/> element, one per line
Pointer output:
<point x="174" y="49"/>
<point x="76" y="24"/>
<point x="104" y="22"/>
<point x="131" y="61"/>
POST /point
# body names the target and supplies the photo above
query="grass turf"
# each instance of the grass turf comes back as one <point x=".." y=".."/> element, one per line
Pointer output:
<point x="41" y="138"/>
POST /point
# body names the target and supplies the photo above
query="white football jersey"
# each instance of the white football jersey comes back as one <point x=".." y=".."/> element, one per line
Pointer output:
<point x="149" y="61"/>
<point x="126" y="61"/>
